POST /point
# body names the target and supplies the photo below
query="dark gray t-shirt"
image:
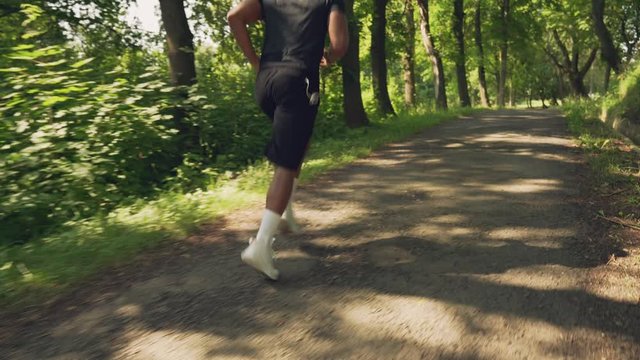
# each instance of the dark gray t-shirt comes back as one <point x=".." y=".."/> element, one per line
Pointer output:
<point x="295" y="30"/>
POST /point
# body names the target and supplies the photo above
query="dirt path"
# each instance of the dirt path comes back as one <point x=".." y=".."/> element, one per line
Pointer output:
<point x="462" y="243"/>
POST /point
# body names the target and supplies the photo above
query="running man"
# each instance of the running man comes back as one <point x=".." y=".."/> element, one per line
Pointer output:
<point x="287" y="90"/>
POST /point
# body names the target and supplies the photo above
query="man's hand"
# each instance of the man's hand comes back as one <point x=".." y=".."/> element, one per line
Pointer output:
<point x="245" y="13"/>
<point x="325" y="62"/>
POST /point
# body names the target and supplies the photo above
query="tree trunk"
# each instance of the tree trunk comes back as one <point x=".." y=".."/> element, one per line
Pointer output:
<point x="182" y="65"/>
<point x="434" y="56"/>
<point x="179" y="42"/>
<point x="561" y="92"/>
<point x="577" y="84"/>
<point x="512" y="96"/>
<point x="484" y="96"/>
<point x="379" y="57"/>
<point x="408" y="57"/>
<point x="496" y="73"/>
<point x="607" y="77"/>
<point x="355" y="115"/>
<point x="504" y="15"/>
<point x="461" y="71"/>
<point x="570" y="65"/>
<point x="607" y="48"/>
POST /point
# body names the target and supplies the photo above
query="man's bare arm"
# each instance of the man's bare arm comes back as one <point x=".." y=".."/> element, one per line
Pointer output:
<point x="338" y="37"/>
<point x="245" y="13"/>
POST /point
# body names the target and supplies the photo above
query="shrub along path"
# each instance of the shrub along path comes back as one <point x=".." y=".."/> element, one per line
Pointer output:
<point x="463" y="242"/>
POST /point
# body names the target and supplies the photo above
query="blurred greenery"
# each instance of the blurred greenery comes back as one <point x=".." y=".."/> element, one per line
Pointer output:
<point x="77" y="141"/>
<point x="613" y="159"/>
<point x="92" y="165"/>
<point x="625" y="103"/>
<point x="46" y="267"/>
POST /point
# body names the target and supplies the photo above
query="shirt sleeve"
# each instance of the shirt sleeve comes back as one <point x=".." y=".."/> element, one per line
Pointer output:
<point x="336" y="5"/>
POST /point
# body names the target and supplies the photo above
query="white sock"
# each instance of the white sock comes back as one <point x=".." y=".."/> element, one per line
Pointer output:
<point x="288" y="212"/>
<point x="269" y="226"/>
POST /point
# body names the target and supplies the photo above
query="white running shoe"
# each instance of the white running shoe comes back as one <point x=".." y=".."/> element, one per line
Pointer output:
<point x="259" y="255"/>
<point x="273" y="239"/>
<point x="290" y="225"/>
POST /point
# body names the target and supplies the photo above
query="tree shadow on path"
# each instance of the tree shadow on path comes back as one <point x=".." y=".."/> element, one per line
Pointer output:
<point x="478" y="219"/>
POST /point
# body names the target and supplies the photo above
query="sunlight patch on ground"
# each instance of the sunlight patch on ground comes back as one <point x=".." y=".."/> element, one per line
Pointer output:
<point x="396" y="150"/>
<point x="449" y="219"/>
<point x="617" y="283"/>
<point x="527" y="186"/>
<point x="454" y="145"/>
<point x="415" y="319"/>
<point x="532" y="233"/>
<point x="391" y="161"/>
<point x="521" y="140"/>
<point x="442" y="233"/>
<point x="332" y="217"/>
<point x="173" y="344"/>
<point x="428" y="324"/>
<point x="129" y="310"/>
<point x="534" y="277"/>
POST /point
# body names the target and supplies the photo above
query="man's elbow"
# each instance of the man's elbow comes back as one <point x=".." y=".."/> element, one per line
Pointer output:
<point x="233" y="16"/>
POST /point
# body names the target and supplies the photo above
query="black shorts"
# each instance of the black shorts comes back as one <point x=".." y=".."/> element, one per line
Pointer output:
<point x="286" y="94"/>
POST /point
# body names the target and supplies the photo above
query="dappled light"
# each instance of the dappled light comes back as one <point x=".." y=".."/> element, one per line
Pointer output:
<point x="405" y="259"/>
<point x="527" y="186"/>
<point x="447" y="180"/>
<point x="404" y="318"/>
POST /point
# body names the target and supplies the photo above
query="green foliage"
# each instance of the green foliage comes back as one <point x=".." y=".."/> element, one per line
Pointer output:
<point x="614" y="160"/>
<point x="73" y="146"/>
<point x="91" y="167"/>
<point x="626" y="103"/>
<point x="610" y="156"/>
<point x="79" y="140"/>
<point x="48" y="266"/>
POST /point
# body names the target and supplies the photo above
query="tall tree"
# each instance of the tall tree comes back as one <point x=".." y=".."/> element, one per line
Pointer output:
<point x="460" y="59"/>
<point x="504" y="46"/>
<point x="179" y="42"/>
<point x="434" y="56"/>
<point x="355" y="115"/>
<point x="482" y="80"/>
<point x="379" y="57"/>
<point x="607" y="48"/>
<point x="182" y="66"/>
<point x="408" y="56"/>
<point x="569" y="63"/>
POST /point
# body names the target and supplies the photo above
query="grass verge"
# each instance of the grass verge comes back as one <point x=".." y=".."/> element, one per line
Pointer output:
<point x="613" y="159"/>
<point x="43" y="268"/>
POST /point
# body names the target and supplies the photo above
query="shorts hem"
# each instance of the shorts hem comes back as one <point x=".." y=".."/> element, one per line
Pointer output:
<point x="285" y="164"/>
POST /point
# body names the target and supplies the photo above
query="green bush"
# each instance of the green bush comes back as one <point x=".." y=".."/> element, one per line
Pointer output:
<point x="626" y="103"/>
<point x="73" y="145"/>
<point x="77" y="141"/>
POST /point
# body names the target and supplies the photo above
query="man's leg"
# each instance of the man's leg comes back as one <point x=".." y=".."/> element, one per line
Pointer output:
<point x="259" y="253"/>
<point x="290" y="222"/>
<point x="280" y="189"/>
<point x="293" y="121"/>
